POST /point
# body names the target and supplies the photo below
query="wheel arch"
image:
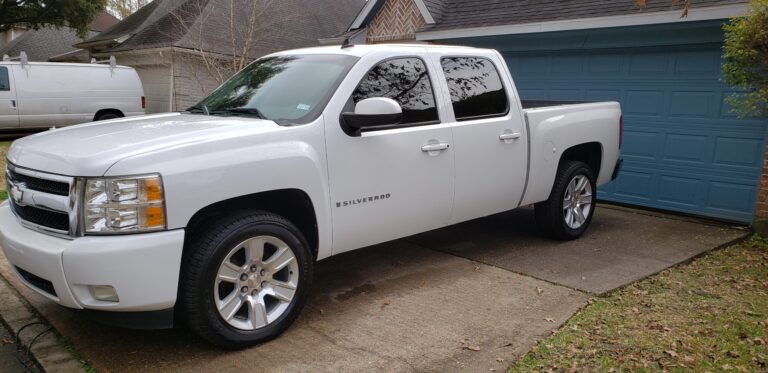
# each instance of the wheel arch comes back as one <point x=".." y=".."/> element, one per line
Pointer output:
<point x="292" y="204"/>
<point x="590" y="153"/>
<point x="108" y="111"/>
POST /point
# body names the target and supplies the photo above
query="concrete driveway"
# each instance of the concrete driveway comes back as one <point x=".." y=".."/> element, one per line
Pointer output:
<point x="467" y="298"/>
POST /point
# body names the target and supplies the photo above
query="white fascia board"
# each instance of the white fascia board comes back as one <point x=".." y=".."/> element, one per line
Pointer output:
<point x="358" y="22"/>
<point x="425" y="12"/>
<point x="639" y="19"/>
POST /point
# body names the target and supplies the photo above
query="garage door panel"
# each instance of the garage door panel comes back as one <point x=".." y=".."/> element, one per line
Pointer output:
<point x="688" y="148"/>
<point x="683" y="148"/>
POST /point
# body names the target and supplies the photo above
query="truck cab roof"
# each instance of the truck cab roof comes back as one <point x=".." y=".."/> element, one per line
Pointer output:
<point x="364" y="49"/>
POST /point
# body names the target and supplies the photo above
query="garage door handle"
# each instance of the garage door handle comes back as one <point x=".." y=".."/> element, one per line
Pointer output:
<point x="509" y="136"/>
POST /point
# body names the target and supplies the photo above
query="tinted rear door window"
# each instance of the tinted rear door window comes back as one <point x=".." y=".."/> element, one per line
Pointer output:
<point x="475" y="87"/>
<point x="405" y="80"/>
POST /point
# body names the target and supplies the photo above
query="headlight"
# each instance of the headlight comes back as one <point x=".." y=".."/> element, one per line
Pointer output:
<point x="124" y="205"/>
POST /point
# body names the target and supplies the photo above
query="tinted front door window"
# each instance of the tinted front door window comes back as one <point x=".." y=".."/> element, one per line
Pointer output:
<point x="405" y="80"/>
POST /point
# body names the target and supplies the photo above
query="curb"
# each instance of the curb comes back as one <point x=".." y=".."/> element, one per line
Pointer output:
<point x="47" y="351"/>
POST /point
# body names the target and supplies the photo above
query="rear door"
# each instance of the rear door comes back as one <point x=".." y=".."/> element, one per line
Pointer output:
<point x="489" y="135"/>
<point x="9" y="112"/>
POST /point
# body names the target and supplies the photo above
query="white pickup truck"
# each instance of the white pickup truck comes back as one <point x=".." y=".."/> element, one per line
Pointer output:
<point x="217" y="215"/>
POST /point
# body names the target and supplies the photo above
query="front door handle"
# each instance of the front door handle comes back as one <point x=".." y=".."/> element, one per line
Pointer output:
<point x="13" y="104"/>
<point x="507" y="136"/>
<point x="429" y="148"/>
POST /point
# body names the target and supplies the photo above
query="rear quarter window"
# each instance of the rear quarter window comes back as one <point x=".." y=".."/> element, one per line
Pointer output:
<point x="5" y="82"/>
<point x="476" y="88"/>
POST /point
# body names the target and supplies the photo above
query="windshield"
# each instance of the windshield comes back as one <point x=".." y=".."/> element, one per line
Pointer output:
<point x="285" y="89"/>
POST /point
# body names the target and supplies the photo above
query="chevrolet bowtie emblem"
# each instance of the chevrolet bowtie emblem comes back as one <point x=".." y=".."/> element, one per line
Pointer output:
<point x="17" y="195"/>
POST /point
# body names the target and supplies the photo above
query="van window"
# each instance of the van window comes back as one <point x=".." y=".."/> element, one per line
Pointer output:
<point x="405" y="80"/>
<point x="475" y="87"/>
<point x="5" y="82"/>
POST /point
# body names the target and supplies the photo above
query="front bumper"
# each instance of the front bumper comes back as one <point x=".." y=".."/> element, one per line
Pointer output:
<point x="142" y="268"/>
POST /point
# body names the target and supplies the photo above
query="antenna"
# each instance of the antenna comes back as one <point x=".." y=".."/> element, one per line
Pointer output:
<point x="346" y="44"/>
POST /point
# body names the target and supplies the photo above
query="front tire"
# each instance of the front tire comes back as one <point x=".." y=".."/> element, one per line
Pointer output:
<point x="571" y="204"/>
<point x="245" y="279"/>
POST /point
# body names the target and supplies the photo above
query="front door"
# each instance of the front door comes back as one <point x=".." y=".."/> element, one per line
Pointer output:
<point x="9" y="112"/>
<point x="393" y="182"/>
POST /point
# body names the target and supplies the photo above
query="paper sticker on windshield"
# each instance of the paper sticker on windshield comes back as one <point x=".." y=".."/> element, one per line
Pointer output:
<point x="304" y="107"/>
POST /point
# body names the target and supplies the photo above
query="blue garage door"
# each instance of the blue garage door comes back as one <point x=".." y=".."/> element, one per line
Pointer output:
<point x="683" y="148"/>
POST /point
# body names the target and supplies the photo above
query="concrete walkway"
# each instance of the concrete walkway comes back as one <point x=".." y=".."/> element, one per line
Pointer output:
<point x="473" y="297"/>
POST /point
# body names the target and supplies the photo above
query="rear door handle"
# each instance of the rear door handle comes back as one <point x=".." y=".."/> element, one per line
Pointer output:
<point x="13" y="104"/>
<point x="435" y="147"/>
<point x="510" y="136"/>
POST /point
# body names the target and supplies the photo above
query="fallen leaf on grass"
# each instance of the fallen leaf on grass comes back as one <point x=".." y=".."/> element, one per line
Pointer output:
<point x="499" y="360"/>
<point x="758" y="341"/>
<point x="671" y="353"/>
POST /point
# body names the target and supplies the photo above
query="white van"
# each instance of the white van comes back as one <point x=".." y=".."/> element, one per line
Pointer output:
<point x="41" y="95"/>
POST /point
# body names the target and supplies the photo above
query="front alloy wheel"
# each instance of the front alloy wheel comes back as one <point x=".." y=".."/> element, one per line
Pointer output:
<point x="256" y="282"/>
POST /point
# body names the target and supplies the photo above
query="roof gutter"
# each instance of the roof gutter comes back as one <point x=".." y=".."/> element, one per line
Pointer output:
<point x="102" y="42"/>
<point x="649" y="18"/>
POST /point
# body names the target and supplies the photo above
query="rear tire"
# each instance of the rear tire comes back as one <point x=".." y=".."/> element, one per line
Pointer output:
<point x="107" y="116"/>
<point x="568" y="211"/>
<point x="245" y="279"/>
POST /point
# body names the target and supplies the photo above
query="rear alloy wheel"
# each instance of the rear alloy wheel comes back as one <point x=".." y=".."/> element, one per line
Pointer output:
<point x="571" y="204"/>
<point x="577" y="203"/>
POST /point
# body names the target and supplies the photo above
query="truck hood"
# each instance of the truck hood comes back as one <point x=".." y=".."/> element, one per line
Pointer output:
<point x="91" y="149"/>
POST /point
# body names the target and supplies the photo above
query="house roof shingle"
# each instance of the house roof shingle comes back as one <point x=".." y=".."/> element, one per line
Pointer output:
<point x="458" y="14"/>
<point x="43" y="44"/>
<point x="205" y="24"/>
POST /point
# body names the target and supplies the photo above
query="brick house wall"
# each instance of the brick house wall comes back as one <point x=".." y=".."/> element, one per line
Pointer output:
<point x="396" y="21"/>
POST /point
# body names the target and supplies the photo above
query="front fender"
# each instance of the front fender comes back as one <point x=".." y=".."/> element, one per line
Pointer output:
<point x="199" y="175"/>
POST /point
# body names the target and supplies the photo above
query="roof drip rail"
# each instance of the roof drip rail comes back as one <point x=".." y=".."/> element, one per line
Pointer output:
<point x="22" y="58"/>
<point x="112" y="61"/>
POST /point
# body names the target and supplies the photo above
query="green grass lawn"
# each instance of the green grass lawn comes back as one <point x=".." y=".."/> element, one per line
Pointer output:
<point x="3" y="149"/>
<point x="707" y="315"/>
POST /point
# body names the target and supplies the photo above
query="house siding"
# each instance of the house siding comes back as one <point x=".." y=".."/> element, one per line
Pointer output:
<point x="192" y="81"/>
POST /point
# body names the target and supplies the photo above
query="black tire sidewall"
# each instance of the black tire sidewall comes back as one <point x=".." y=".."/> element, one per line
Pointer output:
<point x="107" y="116"/>
<point x="576" y="169"/>
<point x="219" y="331"/>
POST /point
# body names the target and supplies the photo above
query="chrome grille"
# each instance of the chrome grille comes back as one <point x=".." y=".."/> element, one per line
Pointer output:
<point x="41" y="185"/>
<point x="43" y="201"/>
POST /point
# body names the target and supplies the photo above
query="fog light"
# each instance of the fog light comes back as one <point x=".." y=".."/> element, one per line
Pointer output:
<point x="104" y="293"/>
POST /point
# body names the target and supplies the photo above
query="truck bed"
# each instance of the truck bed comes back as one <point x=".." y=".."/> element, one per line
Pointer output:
<point x="535" y="104"/>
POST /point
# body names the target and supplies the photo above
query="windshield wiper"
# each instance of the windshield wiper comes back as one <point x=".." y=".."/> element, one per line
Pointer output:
<point x="203" y="108"/>
<point x="244" y="110"/>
